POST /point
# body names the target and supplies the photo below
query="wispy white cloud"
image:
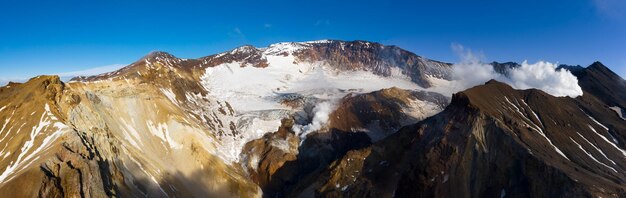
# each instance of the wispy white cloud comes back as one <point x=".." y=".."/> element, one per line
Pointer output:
<point x="4" y="81"/>
<point x="91" y="71"/>
<point x="237" y="33"/>
<point x="68" y="75"/>
<point x="322" y="22"/>
<point x="613" y="9"/>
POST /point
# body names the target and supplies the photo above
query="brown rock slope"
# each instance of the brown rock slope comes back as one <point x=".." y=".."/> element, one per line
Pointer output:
<point x="491" y="141"/>
<point x="32" y="124"/>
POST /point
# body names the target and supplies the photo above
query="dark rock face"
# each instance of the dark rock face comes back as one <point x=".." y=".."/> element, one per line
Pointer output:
<point x="490" y="141"/>
<point x="263" y="157"/>
<point x="315" y="154"/>
<point x="384" y="112"/>
<point x="491" y="149"/>
<point x="602" y="83"/>
<point x="382" y="60"/>
<point x="246" y="55"/>
<point x="480" y="147"/>
<point x="503" y="68"/>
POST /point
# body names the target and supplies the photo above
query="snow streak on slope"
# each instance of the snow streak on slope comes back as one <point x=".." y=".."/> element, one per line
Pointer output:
<point x="47" y="122"/>
<point x="592" y="157"/>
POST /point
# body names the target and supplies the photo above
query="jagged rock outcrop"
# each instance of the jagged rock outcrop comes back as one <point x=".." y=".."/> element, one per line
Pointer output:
<point x="381" y="113"/>
<point x="263" y="157"/>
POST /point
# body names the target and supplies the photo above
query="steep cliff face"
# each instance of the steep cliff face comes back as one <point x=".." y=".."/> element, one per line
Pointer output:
<point x="263" y="157"/>
<point x="112" y="139"/>
<point x="380" y="59"/>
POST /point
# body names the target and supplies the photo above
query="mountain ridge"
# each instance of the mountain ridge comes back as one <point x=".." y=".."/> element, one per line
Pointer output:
<point x="320" y="118"/>
<point x="309" y="51"/>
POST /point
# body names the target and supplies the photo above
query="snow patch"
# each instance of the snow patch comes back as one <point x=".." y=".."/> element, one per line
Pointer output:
<point x="254" y="162"/>
<point x="133" y="137"/>
<point x="162" y="131"/>
<point x="283" y="145"/>
<point x="170" y="95"/>
<point x="617" y="110"/>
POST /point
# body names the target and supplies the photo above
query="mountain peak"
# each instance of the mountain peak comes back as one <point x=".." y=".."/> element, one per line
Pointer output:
<point x="598" y="67"/>
<point x="492" y="96"/>
<point x="597" y="64"/>
<point x="321" y="41"/>
<point x="45" y="79"/>
<point x="493" y="81"/>
<point x="158" y="55"/>
<point x="244" y="49"/>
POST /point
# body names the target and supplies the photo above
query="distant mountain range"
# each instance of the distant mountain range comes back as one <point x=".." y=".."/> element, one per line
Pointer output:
<point x="310" y="119"/>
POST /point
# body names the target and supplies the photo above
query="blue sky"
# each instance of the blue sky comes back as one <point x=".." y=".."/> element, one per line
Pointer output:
<point x="51" y="37"/>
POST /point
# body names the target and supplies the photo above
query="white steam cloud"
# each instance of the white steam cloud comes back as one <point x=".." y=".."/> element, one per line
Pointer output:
<point x="544" y="76"/>
<point x="321" y="113"/>
<point x="470" y="71"/>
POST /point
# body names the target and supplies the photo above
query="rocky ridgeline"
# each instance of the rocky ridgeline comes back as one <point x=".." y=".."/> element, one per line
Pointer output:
<point x="154" y="129"/>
